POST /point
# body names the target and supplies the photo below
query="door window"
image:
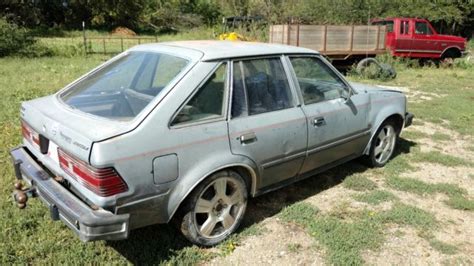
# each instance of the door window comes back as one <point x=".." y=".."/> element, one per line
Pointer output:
<point x="208" y="102"/>
<point x="404" y="27"/>
<point x="317" y="81"/>
<point x="422" y="28"/>
<point x="260" y="86"/>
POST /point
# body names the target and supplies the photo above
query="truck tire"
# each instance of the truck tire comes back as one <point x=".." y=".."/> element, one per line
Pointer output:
<point x="364" y="63"/>
<point x="388" y="70"/>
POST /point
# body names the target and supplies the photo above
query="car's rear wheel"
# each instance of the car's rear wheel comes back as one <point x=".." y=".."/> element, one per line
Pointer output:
<point x="383" y="144"/>
<point x="215" y="209"/>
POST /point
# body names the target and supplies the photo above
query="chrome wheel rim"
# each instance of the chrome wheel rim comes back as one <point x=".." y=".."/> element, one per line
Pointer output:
<point x="219" y="207"/>
<point x="384" y="144"/>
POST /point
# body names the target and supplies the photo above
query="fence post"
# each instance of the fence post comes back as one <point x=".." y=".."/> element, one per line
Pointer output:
<point x="103" y="42"/>
<point x="121" y="43"/>
<point x="84" y="36"/>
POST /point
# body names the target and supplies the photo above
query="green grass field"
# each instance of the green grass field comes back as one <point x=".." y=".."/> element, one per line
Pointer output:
<point x="30" y="237"/>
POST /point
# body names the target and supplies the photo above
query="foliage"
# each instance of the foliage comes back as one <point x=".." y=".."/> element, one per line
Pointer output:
<point x="158" y="15"/>
<point x="408" y="215"/>
<point x="13" y="39"/>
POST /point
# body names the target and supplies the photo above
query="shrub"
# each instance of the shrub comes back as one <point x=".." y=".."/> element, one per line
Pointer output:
<point x="13" y="39"/>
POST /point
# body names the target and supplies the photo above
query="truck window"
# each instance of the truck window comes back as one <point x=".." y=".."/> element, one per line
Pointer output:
<point x="404" y="27"/>
<point x="387" y="23"/>
<point x="422" y="28"/>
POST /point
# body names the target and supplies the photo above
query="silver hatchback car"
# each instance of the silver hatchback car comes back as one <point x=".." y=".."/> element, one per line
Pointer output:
<point x="190" y="130"/>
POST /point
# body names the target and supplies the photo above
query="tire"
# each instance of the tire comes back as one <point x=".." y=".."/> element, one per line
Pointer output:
<point x="388" y="71"/>
<point x="383" y="145"/>
<point x="364" y="63"/>
<point x="214" y="209"/>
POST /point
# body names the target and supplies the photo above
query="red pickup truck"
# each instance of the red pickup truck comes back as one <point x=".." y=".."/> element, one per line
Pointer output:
<point x="416" y="38"/>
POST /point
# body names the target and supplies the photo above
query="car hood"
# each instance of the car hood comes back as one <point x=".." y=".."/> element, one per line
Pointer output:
<point x="442" y="37"/>
<point x="73" y="131"/>
<point x="366" y="88"/>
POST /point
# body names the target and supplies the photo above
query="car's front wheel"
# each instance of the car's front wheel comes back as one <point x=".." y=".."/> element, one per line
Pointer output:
<point x="383" y="144"/>
<point x="215" y="209"/>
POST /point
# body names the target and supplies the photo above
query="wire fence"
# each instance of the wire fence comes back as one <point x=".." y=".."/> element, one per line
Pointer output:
<point x="96" y="44"/>
<point x="113" y="45"/>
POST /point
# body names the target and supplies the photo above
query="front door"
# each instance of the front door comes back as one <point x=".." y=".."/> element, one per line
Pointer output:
<point x="266" y="124"/>
<point x="337" y="125"/>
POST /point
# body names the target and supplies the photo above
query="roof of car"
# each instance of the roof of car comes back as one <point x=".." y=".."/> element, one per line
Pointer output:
<point x="214" y="50"/>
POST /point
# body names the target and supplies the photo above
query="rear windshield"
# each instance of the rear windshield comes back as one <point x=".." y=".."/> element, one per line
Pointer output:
<point x="123" y="88"/>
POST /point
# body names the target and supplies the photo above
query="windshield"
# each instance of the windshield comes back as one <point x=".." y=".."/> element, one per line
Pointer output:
<point x="123" y="88"/>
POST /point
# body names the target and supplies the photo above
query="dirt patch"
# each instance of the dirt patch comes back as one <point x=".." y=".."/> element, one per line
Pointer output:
<point x="455" y="226"/>
<point x="435" y="173"/>
<point x="458" y="145"/>
<point x="402" y="246"/>
<point x="281" y="244"/>
<point x="123" y="31"/>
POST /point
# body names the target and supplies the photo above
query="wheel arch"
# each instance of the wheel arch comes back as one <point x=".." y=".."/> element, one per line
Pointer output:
<point x="399" y="120"/>
<point x="247" y="169"/>
<point x="454" y="49"/>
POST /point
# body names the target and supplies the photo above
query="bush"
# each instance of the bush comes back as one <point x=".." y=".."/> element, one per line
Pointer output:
<point x="13" y="39"/>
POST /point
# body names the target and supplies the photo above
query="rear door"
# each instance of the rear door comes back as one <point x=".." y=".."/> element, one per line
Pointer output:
<point x="337" y="126"/>
<point x="266" y="123"/>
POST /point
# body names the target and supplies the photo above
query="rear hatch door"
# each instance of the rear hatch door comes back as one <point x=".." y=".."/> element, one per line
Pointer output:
<point x="69" y="129"/>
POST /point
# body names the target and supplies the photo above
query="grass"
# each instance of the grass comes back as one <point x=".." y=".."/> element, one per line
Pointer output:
<point x="414" y="134"/>
<point x="375" y="197"/>
<point x="457" y="195"/>
<point x="404" y="214"/>
<point x="441" y="158"/>
<point x="359" y="183"/>
<point x="461" y="203"/>
<point x="438" y="136"/>
<point x="345" y="239"/>
<point x="443" y="247"/>
<point x="294" y="247"/>
<point x="300" y="213"/>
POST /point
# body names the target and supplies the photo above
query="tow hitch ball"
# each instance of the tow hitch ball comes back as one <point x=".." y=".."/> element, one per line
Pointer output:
<point x="21" y="195"/>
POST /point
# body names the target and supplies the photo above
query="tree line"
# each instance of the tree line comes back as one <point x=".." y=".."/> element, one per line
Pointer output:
<point x="448" y="16"/>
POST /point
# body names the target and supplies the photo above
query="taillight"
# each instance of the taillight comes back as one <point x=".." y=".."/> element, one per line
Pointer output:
<point x="29" y="134"/>
<point x="102" y="181"/>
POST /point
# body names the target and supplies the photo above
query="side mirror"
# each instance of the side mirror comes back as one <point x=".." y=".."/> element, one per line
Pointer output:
<point x="346" y="94"/>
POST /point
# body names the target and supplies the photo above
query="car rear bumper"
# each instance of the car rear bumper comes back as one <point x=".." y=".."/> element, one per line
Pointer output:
<point x="89" y="224"/>
<point x="408" y="119"/>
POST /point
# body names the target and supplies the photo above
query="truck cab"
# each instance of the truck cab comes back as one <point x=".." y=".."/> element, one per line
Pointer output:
<point x="416" y="38"/>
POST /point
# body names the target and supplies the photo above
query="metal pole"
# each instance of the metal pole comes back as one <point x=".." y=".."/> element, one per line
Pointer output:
<point x="121" y="43"/>
<point x="84" y="35"/>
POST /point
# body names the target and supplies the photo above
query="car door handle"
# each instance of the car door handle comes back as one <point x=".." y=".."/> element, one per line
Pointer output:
<point x="319" y="122"/>
<point x="248" y="138"/>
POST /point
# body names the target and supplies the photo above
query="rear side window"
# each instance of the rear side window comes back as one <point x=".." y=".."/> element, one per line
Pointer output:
<point x="208" y="102"/>
<point x="316" y="80"/>
<point x="260" y="86"/>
